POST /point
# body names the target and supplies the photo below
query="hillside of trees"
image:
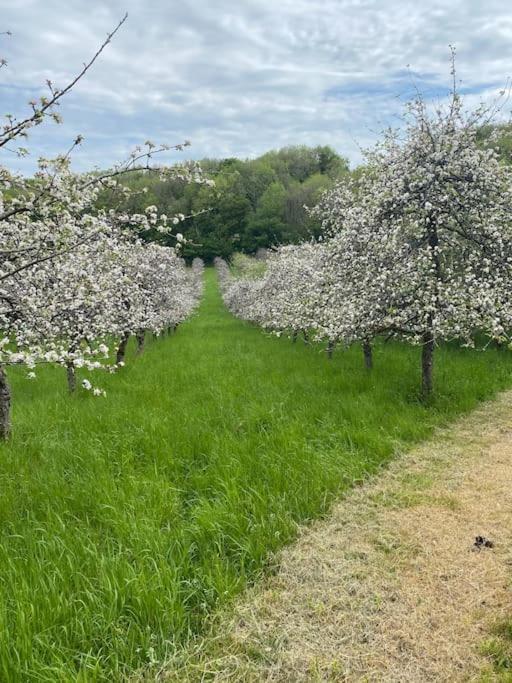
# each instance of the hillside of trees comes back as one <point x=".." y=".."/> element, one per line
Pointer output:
<point x="256" y="203"/>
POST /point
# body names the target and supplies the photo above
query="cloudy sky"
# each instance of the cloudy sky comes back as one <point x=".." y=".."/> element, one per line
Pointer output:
<point x="240" y="77"/>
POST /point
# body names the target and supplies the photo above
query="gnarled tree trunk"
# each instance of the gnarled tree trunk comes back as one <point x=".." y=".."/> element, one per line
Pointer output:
<point x="428" y="339"/>
<point x="141" y="338"/>
<point x="368" y="354"/>
<point x="427" y="365"/>
<point x="5" y="406"/>
<point x="121" y="349"/>
<point x="71" y="377"/>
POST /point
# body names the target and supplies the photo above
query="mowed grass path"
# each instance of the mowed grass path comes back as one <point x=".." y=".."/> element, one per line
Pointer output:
<point x="126" y="520"/>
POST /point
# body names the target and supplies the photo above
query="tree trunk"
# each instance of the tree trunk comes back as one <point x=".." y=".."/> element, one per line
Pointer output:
<point x="5" y="406"/>
<point x="427" y="353"/>
<point x="427" y="365"/>
<point x="368" y="354"/>
<point x="141" y="338"/>
<point x="294" y="336"/>
<point x="305" y="334"/>
<point x="121" y="350"/>
<point x="329" y="350"/>
<point x="71" y="375"/>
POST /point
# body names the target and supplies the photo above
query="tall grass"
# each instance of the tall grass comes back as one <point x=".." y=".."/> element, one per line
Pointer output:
<point x="125" y="520"/>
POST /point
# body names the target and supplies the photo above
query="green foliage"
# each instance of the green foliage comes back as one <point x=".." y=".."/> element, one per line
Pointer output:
<point x="247" y="266"/>
<point x="499" y="651"/>
<point x="255" y="203"/>
<point x="125" y="522"/>
<point x="266" y="225"/>
<point x="499" y="136"/>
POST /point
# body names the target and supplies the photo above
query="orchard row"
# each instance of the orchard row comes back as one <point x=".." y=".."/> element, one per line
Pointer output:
<point x="417" y="246"/>
<point x="74" y="280"/>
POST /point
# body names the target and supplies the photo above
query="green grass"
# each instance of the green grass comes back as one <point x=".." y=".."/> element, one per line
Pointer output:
<point x="498" y="649"/>
<point x="126" y="520"/>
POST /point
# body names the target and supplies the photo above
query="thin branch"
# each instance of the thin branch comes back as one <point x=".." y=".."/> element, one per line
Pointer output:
<point x="18" y="128"/>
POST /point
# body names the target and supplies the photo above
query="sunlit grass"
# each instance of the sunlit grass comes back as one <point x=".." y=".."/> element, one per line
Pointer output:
<point x="498" y="649"/>
<point x="125" y="520"/>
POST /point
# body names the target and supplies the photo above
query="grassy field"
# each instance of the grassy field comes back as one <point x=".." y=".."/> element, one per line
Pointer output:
<point x="499" y="650"/>
<point x="125" y="520"/>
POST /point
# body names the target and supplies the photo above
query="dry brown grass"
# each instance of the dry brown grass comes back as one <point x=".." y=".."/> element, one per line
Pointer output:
<point x="389" y="587"/>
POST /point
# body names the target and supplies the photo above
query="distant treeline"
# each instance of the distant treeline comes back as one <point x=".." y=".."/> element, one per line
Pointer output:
<point x="258" y="203"/>
<point x="254" y="204"/>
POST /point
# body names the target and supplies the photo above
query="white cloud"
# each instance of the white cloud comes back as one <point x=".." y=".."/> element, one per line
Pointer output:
<point x="238" y="78"/>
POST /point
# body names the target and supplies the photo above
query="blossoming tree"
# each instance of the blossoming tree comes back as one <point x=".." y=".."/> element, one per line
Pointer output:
<point x="418" y="246"/>
<point x="55" y="281"/>
<point x="422" y="242"/>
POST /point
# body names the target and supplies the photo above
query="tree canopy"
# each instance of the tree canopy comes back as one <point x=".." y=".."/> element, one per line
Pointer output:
<point x="255" y="203"/>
